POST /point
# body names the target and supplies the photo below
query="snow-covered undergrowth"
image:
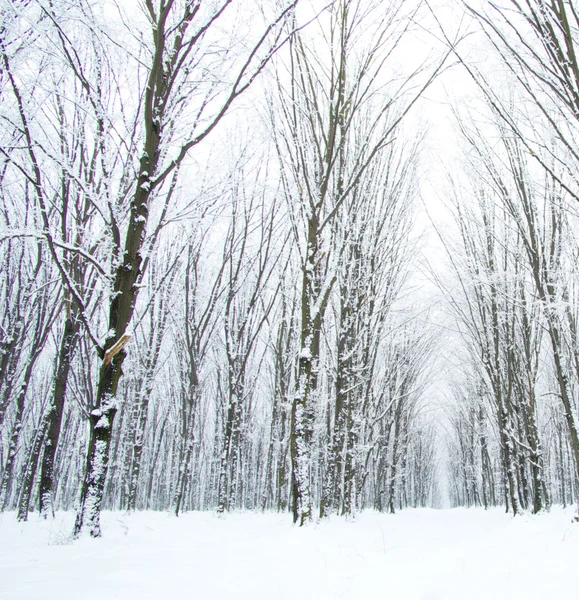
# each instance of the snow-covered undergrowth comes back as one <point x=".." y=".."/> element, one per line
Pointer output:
<point x="423" y="554"/>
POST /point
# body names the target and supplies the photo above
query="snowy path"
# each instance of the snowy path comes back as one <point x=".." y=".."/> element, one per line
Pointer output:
<point x="417" y="554"/>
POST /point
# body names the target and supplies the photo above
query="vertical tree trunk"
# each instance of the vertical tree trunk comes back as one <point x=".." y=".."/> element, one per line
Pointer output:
<point x="350" y="467"/>
<point x="29" y="472"/>
<point x="184" y="461"/>
<point x="230" y="449"/>
<point x="66" y="353"/>
<point x="300" y="437"/>
<point x="101" y="421"/>
<point x="8" y="474"/>
<point x="394" y="458"/>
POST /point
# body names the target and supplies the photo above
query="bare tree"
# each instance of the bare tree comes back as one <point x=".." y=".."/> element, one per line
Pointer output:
<point x="537" y="41"/>
<point x="252" y="260"/>
<point x="337" y="117"/>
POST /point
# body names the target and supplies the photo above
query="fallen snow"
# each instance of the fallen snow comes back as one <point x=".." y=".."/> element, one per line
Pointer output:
<point x="423" y="554"/>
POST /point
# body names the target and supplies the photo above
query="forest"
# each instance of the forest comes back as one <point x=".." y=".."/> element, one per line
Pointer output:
<point x="238" y="272"/>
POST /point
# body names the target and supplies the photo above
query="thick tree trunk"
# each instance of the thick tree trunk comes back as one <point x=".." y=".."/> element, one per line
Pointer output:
<point x="11" y="346"/>
<point x="332" y="495"/>
<point x="101" y="421"/>
<point x="350" y="467"/>
<point x="227" y="485"/>
<point x="121" y="311"/>
<point x="282" y="488"/>
<point x="508" y="463"/>
<point x="67" y="348"/>
<point x="184" y="465"/>
<point x="30" y="471"/>
<point x="8" y="473"/>
<point x="394" y="464"/>
<point x="300" y="450"/>
<point x="140" y="425"/>
<point x="135" y="469"/>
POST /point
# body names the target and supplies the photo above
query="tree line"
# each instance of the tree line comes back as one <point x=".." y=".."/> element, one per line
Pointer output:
<point x="195" y="321"/>
<point x="513" y="427"/>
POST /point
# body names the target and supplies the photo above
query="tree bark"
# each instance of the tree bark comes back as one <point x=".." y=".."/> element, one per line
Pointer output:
<point x="66" y="353"/>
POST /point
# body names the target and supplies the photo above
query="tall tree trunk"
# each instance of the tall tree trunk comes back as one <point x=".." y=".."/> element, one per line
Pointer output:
<point x="101" y="422"/>
<point x="226" y="494"/>
<point x="8" y="474"/>
<point x="302" y="408"/>
<point x="29" y="471"/>
<point x="185" y="455"/>
<point x="66" y="353"/>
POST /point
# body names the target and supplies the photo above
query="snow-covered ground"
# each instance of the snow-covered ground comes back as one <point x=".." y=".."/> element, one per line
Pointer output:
<point x="425" y="554"/>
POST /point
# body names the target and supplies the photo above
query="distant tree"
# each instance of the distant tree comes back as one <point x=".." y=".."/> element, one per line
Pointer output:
<point x="253" y="257"/>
